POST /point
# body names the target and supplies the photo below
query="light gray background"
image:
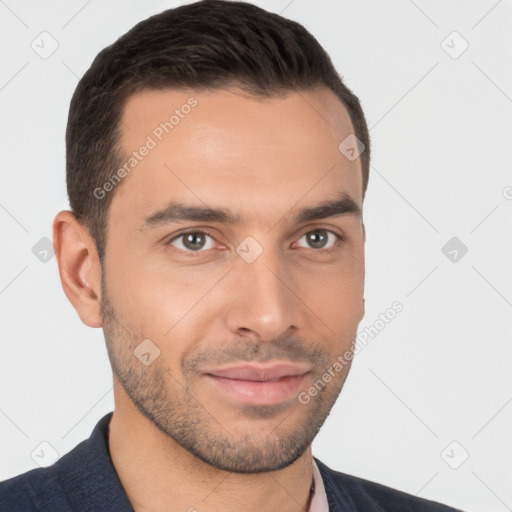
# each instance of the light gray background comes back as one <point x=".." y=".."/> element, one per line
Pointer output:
<point x="441" y="130"/>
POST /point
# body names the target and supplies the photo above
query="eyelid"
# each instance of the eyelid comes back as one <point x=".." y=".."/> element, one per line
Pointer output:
<point x="204" y="231"/>
<point x="201" y="231"/>
<point x="339" y="238"/>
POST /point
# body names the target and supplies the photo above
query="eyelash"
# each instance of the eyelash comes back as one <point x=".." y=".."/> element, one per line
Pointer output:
<point x="339" y="238"/>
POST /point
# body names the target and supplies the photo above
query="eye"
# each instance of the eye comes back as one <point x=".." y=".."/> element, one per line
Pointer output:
<point x="194" y="241"/>
<point x="319" y="239"/>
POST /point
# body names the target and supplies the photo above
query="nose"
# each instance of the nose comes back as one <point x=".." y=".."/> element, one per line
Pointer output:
<point x="260" y="300"/>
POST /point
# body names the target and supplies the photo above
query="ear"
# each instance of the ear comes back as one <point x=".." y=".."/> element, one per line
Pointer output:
<point x="79" y="267"/>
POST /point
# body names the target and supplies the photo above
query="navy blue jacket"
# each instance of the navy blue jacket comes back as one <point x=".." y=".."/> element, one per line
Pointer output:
<point x="85" y="480"/>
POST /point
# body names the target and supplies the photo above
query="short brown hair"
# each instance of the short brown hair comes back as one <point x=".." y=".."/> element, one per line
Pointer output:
<point x="205" y="45"/>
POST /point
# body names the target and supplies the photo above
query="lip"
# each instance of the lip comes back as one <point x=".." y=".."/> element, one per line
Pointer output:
<point x="259" y="384"/>
<point x="260" y="373"/>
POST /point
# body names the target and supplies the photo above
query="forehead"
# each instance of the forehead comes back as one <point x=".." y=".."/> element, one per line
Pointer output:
<point x="221" y="147"/>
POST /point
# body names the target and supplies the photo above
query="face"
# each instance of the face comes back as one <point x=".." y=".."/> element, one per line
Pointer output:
<point x="234" y="270"/>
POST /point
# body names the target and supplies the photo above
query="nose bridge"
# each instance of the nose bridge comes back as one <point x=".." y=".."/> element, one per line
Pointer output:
<point x="263" y="303"/>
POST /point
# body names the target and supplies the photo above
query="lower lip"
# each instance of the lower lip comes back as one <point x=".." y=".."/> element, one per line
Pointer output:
<point x="260" y="393"/>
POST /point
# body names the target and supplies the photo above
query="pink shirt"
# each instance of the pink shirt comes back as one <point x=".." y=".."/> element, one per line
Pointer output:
<point x="319" y="499"/>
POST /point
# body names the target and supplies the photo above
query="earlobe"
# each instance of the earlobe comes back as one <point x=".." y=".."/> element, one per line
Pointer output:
<point x="79" y="267"/>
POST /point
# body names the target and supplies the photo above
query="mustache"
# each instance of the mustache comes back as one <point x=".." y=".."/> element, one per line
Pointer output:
<point x="289" y="348"/>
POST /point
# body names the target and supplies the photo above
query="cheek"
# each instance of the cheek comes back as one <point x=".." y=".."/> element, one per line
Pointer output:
<point x="149" y="287"/>
<point x="169" y="306"/>
<point x="336" y="294"/>
<point x="338" y="298"/>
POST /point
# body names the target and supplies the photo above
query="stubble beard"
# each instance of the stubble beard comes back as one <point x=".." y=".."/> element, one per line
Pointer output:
<point x="175" y="411"/>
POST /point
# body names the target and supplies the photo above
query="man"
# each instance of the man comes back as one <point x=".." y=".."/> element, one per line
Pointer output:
<point x="216" y="171"/>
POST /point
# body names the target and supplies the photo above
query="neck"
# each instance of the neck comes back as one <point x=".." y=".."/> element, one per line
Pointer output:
<point x="158" y="474"/>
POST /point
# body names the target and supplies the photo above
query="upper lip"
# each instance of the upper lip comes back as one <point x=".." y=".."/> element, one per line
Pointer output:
<point x="259" y="372"/>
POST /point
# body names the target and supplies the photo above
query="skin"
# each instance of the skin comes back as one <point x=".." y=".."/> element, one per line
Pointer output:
<point x="263" y="159"/>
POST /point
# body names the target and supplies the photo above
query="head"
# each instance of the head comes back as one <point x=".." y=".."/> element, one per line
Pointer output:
<point x="217" y="224"/>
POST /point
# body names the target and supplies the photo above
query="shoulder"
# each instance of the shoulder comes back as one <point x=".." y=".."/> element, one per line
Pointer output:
<point x="347" y="492"/>
<point x="76" y="478"/>
<point x="34" y="491"/>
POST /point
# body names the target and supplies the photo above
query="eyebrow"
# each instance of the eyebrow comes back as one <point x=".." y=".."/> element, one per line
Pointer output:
<point x="176" y="212"/>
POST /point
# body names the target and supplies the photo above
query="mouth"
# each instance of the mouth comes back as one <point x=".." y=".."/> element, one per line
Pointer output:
<point x="259" y="385"/>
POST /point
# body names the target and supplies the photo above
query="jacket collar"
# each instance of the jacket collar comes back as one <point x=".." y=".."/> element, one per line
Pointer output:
<point x="89" y="479"/>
